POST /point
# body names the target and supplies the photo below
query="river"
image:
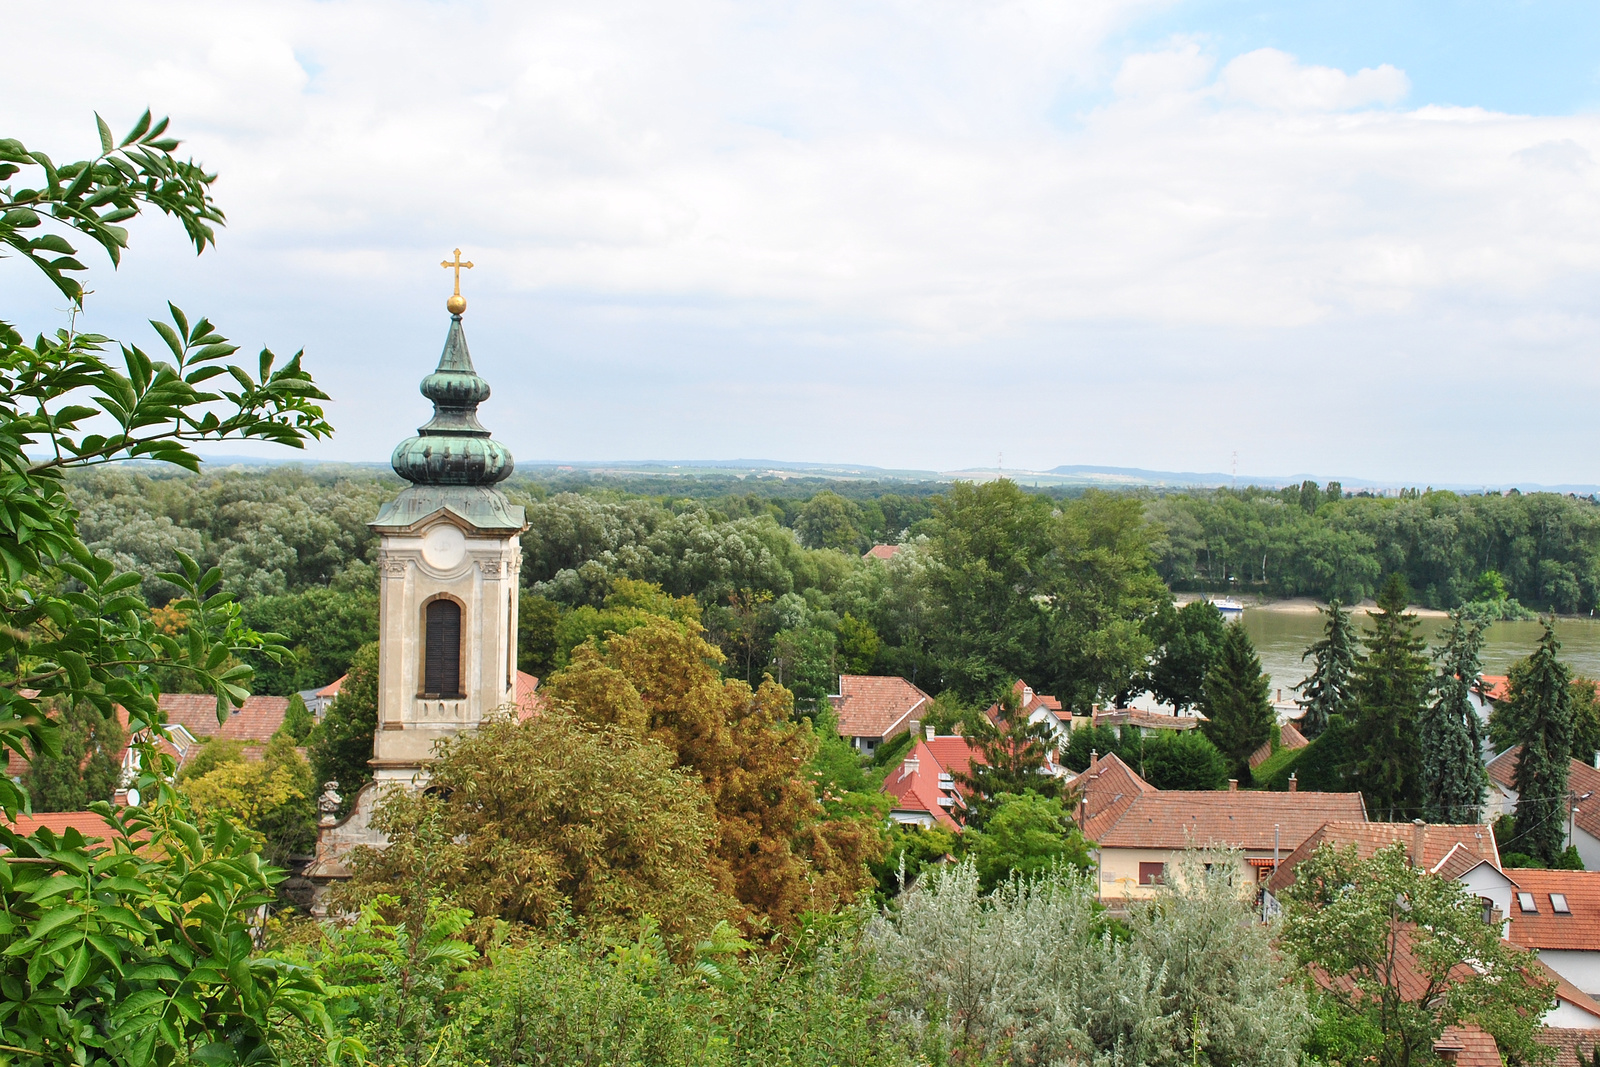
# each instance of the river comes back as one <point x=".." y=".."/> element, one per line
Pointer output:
<point x="1283" y="633"/>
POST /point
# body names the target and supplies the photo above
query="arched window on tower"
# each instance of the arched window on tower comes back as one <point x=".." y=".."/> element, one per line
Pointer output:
<point x="441" y="671"/>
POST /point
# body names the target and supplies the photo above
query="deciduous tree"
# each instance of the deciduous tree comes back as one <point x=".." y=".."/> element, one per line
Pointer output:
<point x="1187" y="642"/>
<point x="341" y="744"/>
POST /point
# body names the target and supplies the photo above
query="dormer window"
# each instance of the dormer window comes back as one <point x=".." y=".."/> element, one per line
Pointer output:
<point x="1526" y="903"/>
<point x="1558" y="904"/>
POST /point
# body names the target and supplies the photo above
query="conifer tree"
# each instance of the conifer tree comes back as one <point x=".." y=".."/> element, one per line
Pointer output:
<point x="1544" y="702"/>
<point x="298" y="722"/>
<point x="1451" y="734"/>
<point x="1239" y="717"/>
<point x="1328" y="688"/>
<point x="1013" y="754"/>
<point x="1391" y="686"/>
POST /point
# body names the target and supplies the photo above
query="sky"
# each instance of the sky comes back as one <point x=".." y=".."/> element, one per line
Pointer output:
<point x="1339" y="239"/>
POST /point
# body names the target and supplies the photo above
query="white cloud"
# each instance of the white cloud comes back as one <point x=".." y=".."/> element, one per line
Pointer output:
<point x="1270" y="78"/>
<point x="917" y="183"/>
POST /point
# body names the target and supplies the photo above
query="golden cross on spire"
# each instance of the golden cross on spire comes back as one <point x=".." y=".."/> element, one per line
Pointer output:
<point x="457" y="304"/>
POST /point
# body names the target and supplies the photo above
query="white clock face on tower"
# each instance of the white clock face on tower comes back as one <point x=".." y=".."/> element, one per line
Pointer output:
<point x="444" y="547"/>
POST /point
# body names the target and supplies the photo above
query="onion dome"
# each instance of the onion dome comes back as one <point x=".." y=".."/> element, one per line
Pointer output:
<point x="453" y="448"/>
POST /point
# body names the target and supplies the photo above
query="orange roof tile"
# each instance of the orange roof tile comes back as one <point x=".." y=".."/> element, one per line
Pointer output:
<point x="1443" y="846"/>
<point x="256" y="721"/>
<point x="1493" y="687"/>
<point x="915" y="782"/>
<point x="1176" y="819"/>
<point x="85" y="822"/>
<point x="1288" y="737"/>
<point x="1468" y="1046"/>
<point x="1547" y="928"/>
<point x="1574" y="1047"/>
<point x="875" y="706"/>
<point x="1581" y="779"/>
<point x="331" y="690"/>
<point x="1107" y="788"/>
<point x="881" y="552"/>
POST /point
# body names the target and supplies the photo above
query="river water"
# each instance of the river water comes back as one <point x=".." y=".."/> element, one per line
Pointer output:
<point x="1282" y="635"/>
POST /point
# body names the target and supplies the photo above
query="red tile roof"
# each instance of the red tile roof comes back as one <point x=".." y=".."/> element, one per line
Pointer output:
<point x="1467" y="1046"/>
<point x="331" y="690"/>
<point x="1288" y="737"/>
<point x="915" y="782"/>
<point x="1451" y="850"/>
<point x="1548" y="929"/>
<point x="1493" y="687"/>
<point x="1107" y="788"/>
<point x="256" y="721"/>
<point x="1574" y="1047"/>
<point x="876" y="706"/>
<point x="1147" y="720"/>
<point x="85" y="822"/>
<point x="1581" y="779"/>
<point x="1176" y="819"/>
<point x="1028" y="702"/>
<point x="881" y="552"/>
<point x="528" y="699"/>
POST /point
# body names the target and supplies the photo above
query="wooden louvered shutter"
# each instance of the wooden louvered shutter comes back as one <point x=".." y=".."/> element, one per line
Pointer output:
<point x="442" y="654"/>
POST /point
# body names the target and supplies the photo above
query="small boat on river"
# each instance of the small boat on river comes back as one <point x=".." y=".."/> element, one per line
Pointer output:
<point x="1231" y="609"/>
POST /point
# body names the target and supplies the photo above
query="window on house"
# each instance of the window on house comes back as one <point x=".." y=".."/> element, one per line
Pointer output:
<point x="1558" y="904"/>
<point x="441" y="673"/>
<point x="1526" y="903"/>
<point x="1152" y="873"/>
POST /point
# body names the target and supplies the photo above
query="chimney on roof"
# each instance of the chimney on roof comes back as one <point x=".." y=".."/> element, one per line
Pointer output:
<point x="1233" y="785"/>
<point x="930" y="732"/>
<point x="1294" y="781"/>
<point x="1419" y="840"/>
<point x="1597" y="759"/>
<point x="916" y="730"/>
<point x="911" y="766"/>
<point x="1094" y="756"/>
<point x="1280" y="696"/>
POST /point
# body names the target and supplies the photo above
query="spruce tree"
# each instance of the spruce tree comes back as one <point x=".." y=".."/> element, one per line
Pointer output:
<point x="298" y="722"/>
<point x="1544" y="704"/>
<point x="1451" y="734"/>
<point x="1327" y="689"/>
<point x="1391" y="687"/>
<point x="1239" y="717"/>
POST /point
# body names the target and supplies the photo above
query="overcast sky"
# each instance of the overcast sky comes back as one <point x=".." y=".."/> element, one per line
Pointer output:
<point x="1341" y="238"/>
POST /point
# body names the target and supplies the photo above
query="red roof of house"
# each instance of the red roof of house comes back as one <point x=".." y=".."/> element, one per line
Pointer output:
<point x="1288" y="737"/>
<point x="915" y="783"/>
<point x="528" y="699"/>
<point x="1574" y="1047"/>
<point x="1581" y="779"/>
<point x="1184" y="818"/>
<point x="1146" y="720"/>
<point x="1450" y="850"/>
<point x="875" y="706"/>
<point x="331" y="690"/>
<point x="1493" y="687"/>
<point x="1468" y="1046"/>
<point x="85" y="822"/>
<point x="256" y="721"/>
<point x="1028" y="702"/>
<point x="1547" y="928"/>
<point x="881" y="552"/>
<point x="1107" y="788"/>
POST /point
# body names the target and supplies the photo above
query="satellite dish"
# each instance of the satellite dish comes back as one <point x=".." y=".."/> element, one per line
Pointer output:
<point x="133" y="798"/>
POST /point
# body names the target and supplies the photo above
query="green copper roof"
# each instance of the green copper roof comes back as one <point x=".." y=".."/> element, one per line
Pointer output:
<point x="482" y="507"/>
<point x="453" y="448"/>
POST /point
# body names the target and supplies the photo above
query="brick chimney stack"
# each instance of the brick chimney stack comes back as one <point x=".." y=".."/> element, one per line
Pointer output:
<point x="1294" y="781"/>
<point x="1233" y="785"/>
<point x="1419" y="842"/>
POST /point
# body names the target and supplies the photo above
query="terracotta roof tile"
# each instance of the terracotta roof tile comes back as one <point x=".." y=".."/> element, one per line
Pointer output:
<point x="915" y="782"/>
<point x="1574" y="1047"/>
<point x="256" y="721"/>
<point x="331" y="690"/>
<point x="1581" y="779"/>
<point x="86" y="822"/>
<point x="1547" y="928"/>
<point x="1175" y="819"/>
<point x="875" y="706"/>
<point x="1468" y="1046"/>
<point x="1288" y="737"/>
<point x="1107" y="788"/>
<point x="881" y="552"/>
<point x="1439" y="845"/>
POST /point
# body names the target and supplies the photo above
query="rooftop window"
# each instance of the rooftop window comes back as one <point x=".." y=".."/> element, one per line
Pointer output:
<point x="1558" y="904"/>
<point x="1525" y="902"/>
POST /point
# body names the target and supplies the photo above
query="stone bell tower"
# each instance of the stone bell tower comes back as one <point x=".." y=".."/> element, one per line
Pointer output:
<point x="448" y="560"/>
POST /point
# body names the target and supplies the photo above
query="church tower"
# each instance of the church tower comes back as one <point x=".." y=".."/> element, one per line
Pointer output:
<point x="449" y="560"/>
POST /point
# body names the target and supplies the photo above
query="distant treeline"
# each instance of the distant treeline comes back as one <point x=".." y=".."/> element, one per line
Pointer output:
<point x="993" y="584"/>
<point x="1542" y="549"/>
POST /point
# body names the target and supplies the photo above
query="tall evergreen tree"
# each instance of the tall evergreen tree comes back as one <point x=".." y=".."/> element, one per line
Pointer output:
<point x="1328" y="688"/>
<point x="1390" y="686"/>
<point x="1451" y="734"/>
<point x="1014" y="752"/>
<point x="1239" y="716"/>
<point x="1543" y="701"/>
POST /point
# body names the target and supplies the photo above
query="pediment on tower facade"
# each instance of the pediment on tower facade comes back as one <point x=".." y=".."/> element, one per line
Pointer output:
<point x="470" y="507"/>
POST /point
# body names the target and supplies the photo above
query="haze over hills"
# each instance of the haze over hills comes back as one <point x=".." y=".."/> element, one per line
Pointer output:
<point x="1064" y="476"/>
